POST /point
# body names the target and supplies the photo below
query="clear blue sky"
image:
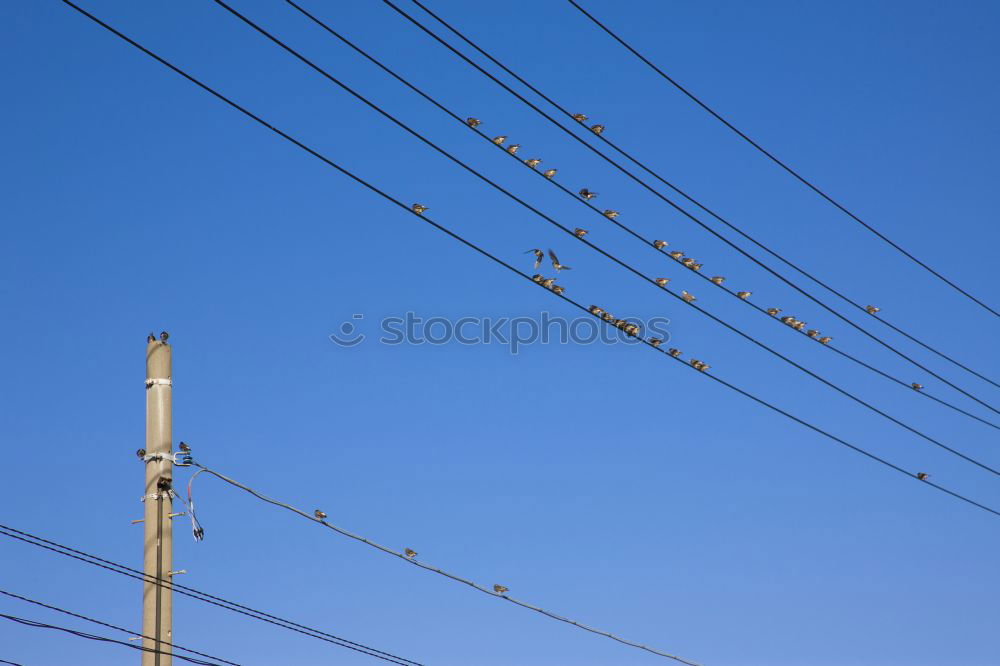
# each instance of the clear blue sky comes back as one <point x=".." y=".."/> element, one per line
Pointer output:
<point x="600" y="482"/>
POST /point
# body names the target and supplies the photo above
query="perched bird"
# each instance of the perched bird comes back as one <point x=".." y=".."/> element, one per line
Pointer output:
<point x="688" y="262"/>
<point x="418" y="208"/>
<point x="607" y="316"/>
<point x="698" y="365"/>
<point x="812" y="332"/>
<point x="611" y="214"/>
<point x="799" y="325"/>
<point x="631" y="330"/>
<point x="150" y="338"/>
<point x="922" y="476"/>
<point x="916" y="386"/>
<point x="579" y="117"/>
<point x="659" y="244"/>
<point x="704" y="366"/>
<point x="743" y="294"/>
<point x="871" y="309"/>
<point x="676" y="254"/>
<point x="499" y="139"/>
<point x="533" y="162"/>
<point x="549" y="173"/>
<point x="594" y="310"/>
<point x="662" y="281"/>
<point x="555" y="262"/>
<point x="787" y="320"/>
<point x="656" y="342"/>
<point x="674" y="352"/>
<point x="537" y="278"/>
<point x="140" y="454"/>
<point x="579" y="233"/>
<point x="825" y="339"/>
<point x="718" y="279"/>
<point x="163" y="336"/>
<point x="319" y="514"/>
<point x="695" y="266"/>
<point x="499" y="589"/>
<point x="410" y="553"/>
<point x="773" y="311"/>
<point x="548" y="282"/>
<point x="473" y="122"/>
<point x="597" y="129"/>
<point x="558" y="289"/>
<point x="686" y="296"/>
<point x="184" y="447"/>
<point x="512" y="148"/>
<point x="587" y="194"/>
<point x="539" y="256"/>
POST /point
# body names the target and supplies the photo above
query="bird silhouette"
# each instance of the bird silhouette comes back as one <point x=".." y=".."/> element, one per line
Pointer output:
<point x="555" y="262"/>
<point x="539" y="256"/>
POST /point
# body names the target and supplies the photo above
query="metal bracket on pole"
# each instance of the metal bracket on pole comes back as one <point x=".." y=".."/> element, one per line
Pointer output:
<point x="150" y="383"/>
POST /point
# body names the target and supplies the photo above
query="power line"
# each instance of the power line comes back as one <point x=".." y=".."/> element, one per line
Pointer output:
<point x="103" y="639"/>
<point x="647" y="242"/>
<point x="398" y="203"/>
<point x="780" y="163"/>
<point x="204" y="597"/>
<point x="4" y="661"/>
<point x="697" y="221"/>
<point x="412" y="560"/>
<point x="116" y="628"/>
<point x="591" y="245"/>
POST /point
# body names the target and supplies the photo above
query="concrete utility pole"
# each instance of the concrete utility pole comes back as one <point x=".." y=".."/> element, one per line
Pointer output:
<point x="157" y="602"/>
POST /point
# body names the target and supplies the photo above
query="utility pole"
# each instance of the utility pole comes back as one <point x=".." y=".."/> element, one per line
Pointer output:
<point x="157" y="602"/>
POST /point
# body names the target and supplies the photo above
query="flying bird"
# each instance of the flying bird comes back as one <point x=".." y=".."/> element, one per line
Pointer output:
<point x="512" y="148"/>
<point x="533" y="162"/>
<point x="539" y="256"/>
<point x="743" y="295"/>
<point x="916" y="386"/>
<point x="499" y="589"/>
<point x="473" y="122"/>
<point x="555" y="262"/>
<point x="319" y="514"/>
<point x="687" y="297"/>
<point x="597" y="129"/>
<point x="499" y="139"/>
<point x="871" y="309"/>
<point x="579" y="233"/>
<point x="718" y="279"/>
<point x="587" y="194"/>
<point x="662" y="281"/>
<point x="659" y="244"/>
<point x="579" y="117"/>
<point x="410" y="553"/>
<point x="418" y="208"/>
<point x="549" y="173"/>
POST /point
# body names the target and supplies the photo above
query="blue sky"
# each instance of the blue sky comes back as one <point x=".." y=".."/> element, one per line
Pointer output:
<point x="598" y="481"/>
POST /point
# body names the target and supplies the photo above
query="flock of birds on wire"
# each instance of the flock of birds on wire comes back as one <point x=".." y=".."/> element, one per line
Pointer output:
<point x="688" y="262"/>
